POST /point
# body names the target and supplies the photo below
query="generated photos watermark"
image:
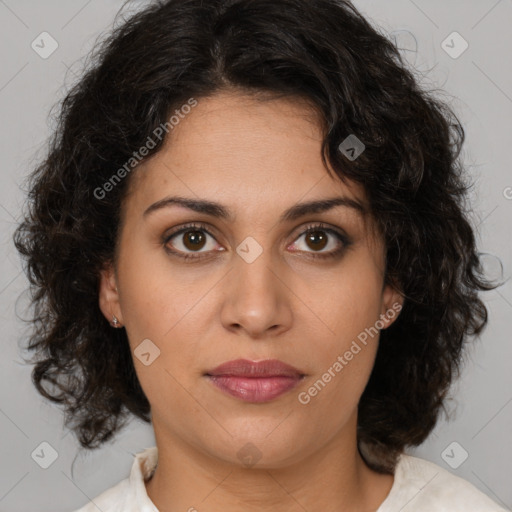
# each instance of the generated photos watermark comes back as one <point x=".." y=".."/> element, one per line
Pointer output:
<point x="304" y="397"/>
<point x="137" y="156"/>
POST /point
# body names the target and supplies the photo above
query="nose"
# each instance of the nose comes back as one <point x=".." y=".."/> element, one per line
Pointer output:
<point x="257" y="299"/>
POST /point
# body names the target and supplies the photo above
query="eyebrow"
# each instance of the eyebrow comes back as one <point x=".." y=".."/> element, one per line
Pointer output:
<point x="222" y="212"/>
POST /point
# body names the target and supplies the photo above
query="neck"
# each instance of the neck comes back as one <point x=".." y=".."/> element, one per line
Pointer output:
<point x="334" y="478"/>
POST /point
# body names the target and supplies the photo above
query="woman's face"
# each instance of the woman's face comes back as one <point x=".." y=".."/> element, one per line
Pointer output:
<point x="255" y="286"/>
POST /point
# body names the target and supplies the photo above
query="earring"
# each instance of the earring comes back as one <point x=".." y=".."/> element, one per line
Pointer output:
<point x="115" y="321"/>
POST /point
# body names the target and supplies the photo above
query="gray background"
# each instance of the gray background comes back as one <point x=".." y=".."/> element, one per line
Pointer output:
<point x="478" y="84"/>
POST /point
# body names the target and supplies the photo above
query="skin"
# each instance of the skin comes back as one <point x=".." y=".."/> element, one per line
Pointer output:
<point x="258" y="159"/>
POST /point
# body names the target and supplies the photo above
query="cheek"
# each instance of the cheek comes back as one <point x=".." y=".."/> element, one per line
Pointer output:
<point x="160" y="313"/>
<point x="349" y="308"/>
<point x="344" y="362"/>
<point x="348" y="303"/>
<point x="155" y="298"/>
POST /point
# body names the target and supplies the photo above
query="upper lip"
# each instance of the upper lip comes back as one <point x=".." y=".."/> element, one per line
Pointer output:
<point x="247" y="368"/>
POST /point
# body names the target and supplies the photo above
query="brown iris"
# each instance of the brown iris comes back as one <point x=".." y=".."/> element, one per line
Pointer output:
<point x="194" y="239"/>
<point x="317" y="237"/>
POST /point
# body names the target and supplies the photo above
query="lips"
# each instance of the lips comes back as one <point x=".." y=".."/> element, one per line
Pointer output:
<point x="246" y="368"/>
<point x="255" y="381"/>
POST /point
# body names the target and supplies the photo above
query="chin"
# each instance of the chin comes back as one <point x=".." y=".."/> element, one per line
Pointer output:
<point x="268" y="450"/>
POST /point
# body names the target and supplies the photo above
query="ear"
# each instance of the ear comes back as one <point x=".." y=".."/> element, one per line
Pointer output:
<point x="392" y="303"/>
<point x="109" y="295"/>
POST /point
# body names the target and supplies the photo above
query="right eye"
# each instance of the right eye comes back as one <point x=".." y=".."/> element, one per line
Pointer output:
<point x="191" y="237"/>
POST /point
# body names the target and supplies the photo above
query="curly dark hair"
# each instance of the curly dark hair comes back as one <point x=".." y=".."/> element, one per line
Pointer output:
<point x="323" y="51"/>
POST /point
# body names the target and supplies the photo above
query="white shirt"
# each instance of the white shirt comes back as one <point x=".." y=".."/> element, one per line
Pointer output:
<point x="419" y="486"/>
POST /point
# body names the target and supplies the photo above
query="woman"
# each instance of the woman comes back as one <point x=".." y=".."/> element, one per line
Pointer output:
<point x="249" y="232"/>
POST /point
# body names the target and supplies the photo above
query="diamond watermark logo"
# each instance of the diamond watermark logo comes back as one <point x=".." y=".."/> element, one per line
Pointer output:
<point x="147" y="352"/>
<point x="249" y="250"/>
<point x="44" y="45"/>
<point x="454" y="455"/>
<point x="454" y="45"/>
<point x="44" y="455"/>
<point x="249" y="454"/>
<point x="352" y="147"/>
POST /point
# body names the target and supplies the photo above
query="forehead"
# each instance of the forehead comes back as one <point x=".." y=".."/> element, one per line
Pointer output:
<point x="244" y="150"/>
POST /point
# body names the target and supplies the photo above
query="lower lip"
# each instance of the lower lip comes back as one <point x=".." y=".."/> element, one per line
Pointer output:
<point x="254" y="389"/>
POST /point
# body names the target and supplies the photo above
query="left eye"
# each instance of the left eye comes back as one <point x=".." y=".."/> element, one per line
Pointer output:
<point x="318" y="238"/>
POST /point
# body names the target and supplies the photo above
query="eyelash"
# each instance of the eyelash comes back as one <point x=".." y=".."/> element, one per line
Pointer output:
<point x="346" y="242"/>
